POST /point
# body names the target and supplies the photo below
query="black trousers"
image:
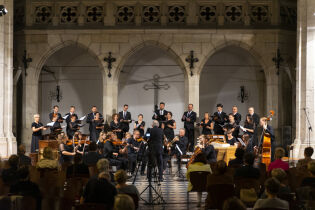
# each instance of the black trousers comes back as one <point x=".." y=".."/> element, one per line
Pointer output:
<point x="190" y="134"/>
<point x="155" y="159"/>
<point x="132" y="157"/>
<point x="121" y="163"/>
<point x="178" y="157"/>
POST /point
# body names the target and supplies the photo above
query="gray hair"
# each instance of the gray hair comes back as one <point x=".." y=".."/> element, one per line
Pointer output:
<point x="155" y="123"/>
<point x="182" y="129"/>
<point x="102" y="165"/>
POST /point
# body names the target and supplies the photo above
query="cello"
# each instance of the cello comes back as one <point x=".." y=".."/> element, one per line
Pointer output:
<point x="265" y="148"/>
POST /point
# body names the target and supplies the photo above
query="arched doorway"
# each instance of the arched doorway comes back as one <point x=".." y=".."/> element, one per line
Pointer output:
<point x="224" y="75"/>
<point x="136" y="84"/>
<point x="79" y="78"/>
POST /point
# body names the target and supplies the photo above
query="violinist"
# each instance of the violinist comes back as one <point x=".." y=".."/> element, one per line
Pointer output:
<point x="206" y="124"/>
<point x="208" y="150"/>
<point x="125" y="119"/>
<point x="179" y="147"/>
<point x="111" y="152"/>
<point x="231" y="125"/>
<point x="101" y="141"/>
<point x="169" y="126"/>
<point x="37" y="128"/>
<point x="90" y="120"/>
<point x="69" y="116"/>
<point x="220" y="118"/>
<point x="116" y="126"/>
<point x="140" y="125"/>
<point x="72" y="126"/>
<point x="55" y="114"/>
<point x="67" y="150"/>
<point x="96" y="127"/>
<point x="82" y="146"/>
<point x="133" y="146"/>
<point x="237" y="116"/>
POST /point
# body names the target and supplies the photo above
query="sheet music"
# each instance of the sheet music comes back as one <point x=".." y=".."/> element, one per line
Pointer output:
<point x="51" y="124"/>
<point x="63" y="126"/>
<point x="241" y="141"/>
<point x="242" y="128"/>
<point x="180" y="151"/>
<point x="65" y="117"/>
<point x="82" y="118"/>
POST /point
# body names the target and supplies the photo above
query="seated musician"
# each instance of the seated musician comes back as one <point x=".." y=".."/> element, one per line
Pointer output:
<point x="56" y="128"/>
<point x="208" y="150"/>
<point x="220" y="118"/>
<point x="206" y="124"/>
<point x="67" y="150"/>
<point x="101" y="141"/>
<point x="56" y="113"/>
<point x="230" y="138"/>
<point x="169" y="126"/>
<point x="116" y="126"/>
<point x="111" y="152"/>
<point x="133" y="146"/>
<point x="179" y="147"/>
<point x="140" y="125"/>
<point x="231" y="125"/>
<point x="82" y="146"/>
<point x="96" y="127"/>
<point x="73" y="127"/>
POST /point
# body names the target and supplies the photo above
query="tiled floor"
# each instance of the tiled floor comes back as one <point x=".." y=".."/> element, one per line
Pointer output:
<point x="173" y="191"/>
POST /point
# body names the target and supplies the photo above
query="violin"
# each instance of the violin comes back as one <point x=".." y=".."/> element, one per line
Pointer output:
<point x="140" y="139"/>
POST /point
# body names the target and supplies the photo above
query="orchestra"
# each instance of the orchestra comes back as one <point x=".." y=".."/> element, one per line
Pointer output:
<point x="125" y="150"/>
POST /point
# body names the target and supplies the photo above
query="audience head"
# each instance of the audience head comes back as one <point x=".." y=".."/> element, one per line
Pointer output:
<point x="249" y="158"/>
<point x="308" y="152"/>
<point x="201" y="158"/>
<point x="13" y="161"/>
<point x="279" y="174"/>
<point x="272" y="186"/>
<point x="92" y="146"/>
<point x="48" y="153"/>
<point x="155" y="123"/>
<point x="233" y="203"/>
<point x="311" y="167"/>
<point x="239" y="153"/>
<point x="104" y="175"/>
<point x="102" y="165"/>
<point x="21" y="150"/>
<point x="123" y="201"/>
<point x="120" y="177"/>
<point x="220" y="167"/>
<point x="279" y="153"/>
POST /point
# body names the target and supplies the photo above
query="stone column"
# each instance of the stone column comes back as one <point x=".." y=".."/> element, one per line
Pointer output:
<point x="305" y="75"/>
<point x="110" y="97"/>
<point x="7" y="140"/>
<point x="193" y="91"/>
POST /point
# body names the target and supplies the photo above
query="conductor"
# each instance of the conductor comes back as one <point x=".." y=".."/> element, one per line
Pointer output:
<point x="155" y="147"/>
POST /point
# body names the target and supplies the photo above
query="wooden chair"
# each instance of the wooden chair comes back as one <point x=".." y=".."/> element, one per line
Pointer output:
<point x="91" y="206"/>
<point x="246" y="183"/>
<point x="217" y="194"/>
<point x="198" y="179"/>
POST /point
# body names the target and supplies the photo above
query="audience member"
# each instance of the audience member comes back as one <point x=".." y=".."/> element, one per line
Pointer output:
<point x="25" y="187"/>
<point x="123" y="202"/>
<point x="122" y="187"/>
<point x="278" y="163"/>
<point x="233" y="204"/>
<point x="248" y="170"/>
<point x="199" y="164"/>
<point x="78" y="168"/>
<point x="99" y="189"/>
<point x="310" y="181"/>
<point x="272" y="187"/>
<point x="280" y="175"/>
<point x="302" y="163"/>
<point x="91" y="157"/>
<point x="48" y="160"/>
<point x="10" y="174"/>
<point x="23" y="159"/>
<point x="238" y="161"/>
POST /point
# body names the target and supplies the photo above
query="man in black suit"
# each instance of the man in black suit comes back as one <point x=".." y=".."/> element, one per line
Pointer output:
<point x="124" y="119"/>
<point x="68" y="119"/>
<point x="268" y="130"/>
<point x="179" y="147"/>
<point x="237" y="116"/>
<point x="255" y="116"/>
<point x="160" y="114"/>
<point x="155" y="148"/>
<point x="90" y="119"/>
<point x="55" y="113"/>
<point x="220" y="118"/>
<point x="189" y="118"/>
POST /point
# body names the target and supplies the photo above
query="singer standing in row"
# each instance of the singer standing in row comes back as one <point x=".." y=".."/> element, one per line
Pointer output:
<point x="68" y="119"/>
<point x="189" y="118"/>
<point x="160" y="114"/>
<point x="92" y="125"/>
<point x="37" y="128"/>
<point x="140" y="125"/>
<point x="125" y="119"/>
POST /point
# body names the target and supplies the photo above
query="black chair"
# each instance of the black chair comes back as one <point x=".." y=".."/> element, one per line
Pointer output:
<point x="218" y="193"/>
<point x="198" y="179"/>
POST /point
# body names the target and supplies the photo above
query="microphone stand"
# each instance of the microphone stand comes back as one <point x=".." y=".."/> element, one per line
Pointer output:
<point x="309" y="128"/>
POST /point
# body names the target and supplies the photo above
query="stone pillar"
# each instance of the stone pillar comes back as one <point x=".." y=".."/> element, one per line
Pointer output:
<point x="193" y="91"/>
<point x="7" y="139"/>
<point x="305" y="75"/>
<point x="110" y="97"/>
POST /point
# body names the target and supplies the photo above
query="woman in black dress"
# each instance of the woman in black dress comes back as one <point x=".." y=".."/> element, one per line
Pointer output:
<point x="97" y="127"/>
<point x="139" y="125"/>
<point x="206" y="124"/>
<point x="37" y="128"/>
<point x="116" y="126"/>
<point x="169" y="127"/>
<point x="67" y="151"/>
<point x="73" y="127"/>
<point x="249" y="125"/>
<point x="232" y="126"/>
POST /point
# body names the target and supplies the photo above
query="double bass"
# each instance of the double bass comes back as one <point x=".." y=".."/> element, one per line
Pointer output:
<point x="265" y="149"/>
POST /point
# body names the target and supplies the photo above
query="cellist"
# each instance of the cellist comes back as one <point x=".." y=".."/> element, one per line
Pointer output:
<point x="268" y="130"/>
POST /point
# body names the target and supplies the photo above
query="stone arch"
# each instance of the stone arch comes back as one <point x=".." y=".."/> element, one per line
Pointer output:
<point x="142" y="45"/>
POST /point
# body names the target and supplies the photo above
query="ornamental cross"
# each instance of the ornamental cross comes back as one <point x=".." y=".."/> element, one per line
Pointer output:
<point x="207" y="13"/>
<point x="191" y="60"/>
<point x="156" y="86"/>
<point x="109" y="60"/>
<point x="278" y="60"/>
